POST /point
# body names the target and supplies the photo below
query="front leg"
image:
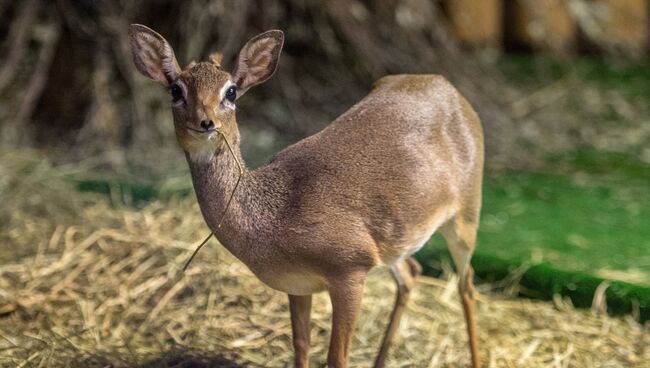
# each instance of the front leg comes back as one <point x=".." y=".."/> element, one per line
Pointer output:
<point x="345" y="292"/>
<point x="300" y="308"/>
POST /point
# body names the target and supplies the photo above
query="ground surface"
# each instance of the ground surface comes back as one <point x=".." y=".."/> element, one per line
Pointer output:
<point x="86" y="281"/>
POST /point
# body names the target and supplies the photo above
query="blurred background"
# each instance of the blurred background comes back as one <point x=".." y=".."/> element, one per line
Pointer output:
<point x="546" y="76"/>
<point x="562" y="87"/>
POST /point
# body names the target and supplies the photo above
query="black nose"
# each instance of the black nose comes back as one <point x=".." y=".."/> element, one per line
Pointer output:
<point x="207" y="124"/>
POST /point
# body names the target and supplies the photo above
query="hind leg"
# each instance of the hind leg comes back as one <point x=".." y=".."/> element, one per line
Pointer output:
<point x="461" y="239"/>
<point x="404" y="274"/>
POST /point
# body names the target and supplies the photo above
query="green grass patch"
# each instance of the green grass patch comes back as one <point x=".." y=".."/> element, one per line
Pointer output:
<point x="577" y="223"/>
<point x="125" y="192"/>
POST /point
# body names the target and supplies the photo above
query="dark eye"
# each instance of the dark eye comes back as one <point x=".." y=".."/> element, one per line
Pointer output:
<point x="177" y="93"/>
<point x="231" y="94"/>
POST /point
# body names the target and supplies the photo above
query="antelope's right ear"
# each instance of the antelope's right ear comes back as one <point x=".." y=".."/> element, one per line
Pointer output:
<point x="152" y="55"/>
<point x="258" y="60"/>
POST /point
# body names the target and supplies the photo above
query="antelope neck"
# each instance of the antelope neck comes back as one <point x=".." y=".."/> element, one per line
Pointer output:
<point x="251" y="212"/>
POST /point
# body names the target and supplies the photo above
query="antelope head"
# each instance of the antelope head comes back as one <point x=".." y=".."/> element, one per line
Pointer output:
<point x="204" y="95"/>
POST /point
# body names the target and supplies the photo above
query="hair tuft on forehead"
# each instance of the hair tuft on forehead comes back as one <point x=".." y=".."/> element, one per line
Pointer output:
<point x="216" y="58"/>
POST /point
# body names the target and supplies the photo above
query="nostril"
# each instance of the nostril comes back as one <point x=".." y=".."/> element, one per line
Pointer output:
<point x="207" y="124"/>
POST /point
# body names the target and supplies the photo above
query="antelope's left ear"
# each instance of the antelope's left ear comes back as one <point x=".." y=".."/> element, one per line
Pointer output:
<point x="258" y="60"/>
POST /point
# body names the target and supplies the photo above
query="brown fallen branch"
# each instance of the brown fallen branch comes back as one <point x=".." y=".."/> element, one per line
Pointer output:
<point x="50" y="35"/>
<point x="16" y="42"/>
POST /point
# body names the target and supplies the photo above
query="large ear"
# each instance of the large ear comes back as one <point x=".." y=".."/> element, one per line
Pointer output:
<point x="258" y="60"/>
<point x="152" y="54"/>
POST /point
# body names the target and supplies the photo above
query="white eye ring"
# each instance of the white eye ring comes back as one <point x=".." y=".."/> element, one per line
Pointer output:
<point x="180" y="88"/>
<point x="225" y="102"/>
<point x="231" y="93"/>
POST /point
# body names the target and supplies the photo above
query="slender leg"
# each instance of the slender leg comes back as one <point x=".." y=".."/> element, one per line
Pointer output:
<point x="404" y="274"/>
<point x="461" y="239"/>
<point x="414" y="266"/>
<point x="345" y="292"/>
<point x="468" y="297"/>
<point x="300" y="308"/>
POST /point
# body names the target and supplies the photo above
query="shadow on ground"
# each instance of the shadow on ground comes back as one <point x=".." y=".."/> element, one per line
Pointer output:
<point x="183" y="358"/>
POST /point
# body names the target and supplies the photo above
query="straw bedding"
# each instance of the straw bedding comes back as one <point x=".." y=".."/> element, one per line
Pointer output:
<point x="87" y="283"/>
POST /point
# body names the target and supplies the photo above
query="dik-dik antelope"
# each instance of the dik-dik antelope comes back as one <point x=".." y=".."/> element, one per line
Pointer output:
<point x="368" y="190"/>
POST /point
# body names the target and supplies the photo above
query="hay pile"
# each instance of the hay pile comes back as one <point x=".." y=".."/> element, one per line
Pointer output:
<point x="102" y="287"/>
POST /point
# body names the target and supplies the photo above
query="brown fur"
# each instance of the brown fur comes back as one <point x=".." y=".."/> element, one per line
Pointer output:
<point x="365" y="191"/>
